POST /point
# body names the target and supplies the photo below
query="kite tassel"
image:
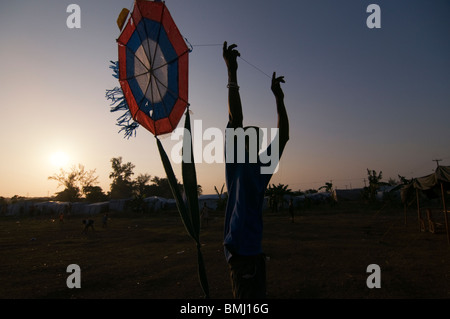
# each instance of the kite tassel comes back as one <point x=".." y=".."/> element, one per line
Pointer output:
<point x="119" y="103"/>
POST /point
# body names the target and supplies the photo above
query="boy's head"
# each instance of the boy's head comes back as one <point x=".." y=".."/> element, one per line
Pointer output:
<point x="253" y="132"/>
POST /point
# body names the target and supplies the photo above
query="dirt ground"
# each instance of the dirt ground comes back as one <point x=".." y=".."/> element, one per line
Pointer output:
<point x="324" y="254"/>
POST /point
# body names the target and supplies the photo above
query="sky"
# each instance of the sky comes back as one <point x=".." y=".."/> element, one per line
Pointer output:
<point x="357" y="98"/>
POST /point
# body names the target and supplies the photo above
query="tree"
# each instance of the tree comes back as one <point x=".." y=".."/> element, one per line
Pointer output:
<point x="141" y="187"/>
<point x="17" y="198"/>
<point x="3" y="205"/>
<point x="223" y="197"/>
<point x="122" y="185"/>
<point x="329" y="189"/>
<point x="69" y="194"/>
<point x="75" y="182"/>
<point x="370" y="191"/>
<point x="161" y="187"/>
<point x="94" y="194"/>
<point x="277" y="193"/>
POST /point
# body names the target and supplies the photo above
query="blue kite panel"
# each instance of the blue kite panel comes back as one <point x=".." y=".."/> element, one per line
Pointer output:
<point x="152" y="30"/>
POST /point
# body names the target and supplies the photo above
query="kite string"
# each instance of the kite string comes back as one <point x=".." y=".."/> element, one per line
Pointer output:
<point x="218" y="44"/>
<point x="254" y="66"/>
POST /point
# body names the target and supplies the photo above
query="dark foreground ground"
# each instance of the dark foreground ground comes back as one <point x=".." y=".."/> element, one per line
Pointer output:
<point x="323" y="255"/>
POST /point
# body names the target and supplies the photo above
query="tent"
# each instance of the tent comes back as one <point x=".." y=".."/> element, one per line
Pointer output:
<point x="438" y="181"/>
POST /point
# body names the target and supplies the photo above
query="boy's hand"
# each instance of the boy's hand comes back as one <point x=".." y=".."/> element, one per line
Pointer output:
<point x="230" y="56"/>
<point x="276" y="87"/>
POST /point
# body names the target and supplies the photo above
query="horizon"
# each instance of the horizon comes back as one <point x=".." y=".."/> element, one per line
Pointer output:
<point x="358" y="97"/>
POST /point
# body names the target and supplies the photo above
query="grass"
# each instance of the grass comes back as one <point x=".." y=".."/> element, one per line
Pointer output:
<point x="323" y="255"/>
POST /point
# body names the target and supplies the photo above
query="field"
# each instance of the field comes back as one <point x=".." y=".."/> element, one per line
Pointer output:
<point x="324" y="254"/>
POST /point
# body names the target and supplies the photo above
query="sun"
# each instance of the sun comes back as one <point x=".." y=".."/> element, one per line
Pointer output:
<point x="59" y="159"/>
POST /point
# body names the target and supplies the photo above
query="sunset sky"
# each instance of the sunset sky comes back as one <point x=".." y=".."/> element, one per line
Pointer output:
<point x="357" y="98"/>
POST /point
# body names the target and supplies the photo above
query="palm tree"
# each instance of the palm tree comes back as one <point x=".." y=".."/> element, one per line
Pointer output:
<point x="223" y="197"/>
<point x="276" y="194"/>
<point x="374" y="183"/>
<point x="329" y="189"/>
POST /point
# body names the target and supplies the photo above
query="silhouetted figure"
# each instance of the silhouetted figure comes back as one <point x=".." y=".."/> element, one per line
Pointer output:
<point x="105" y="220"/>
<point x="291" y="209"/>
<point x="246" y="186"/>
<point x="88" y="223"/>
<point x="205" y="214"/>
<point x="274" y="204"/>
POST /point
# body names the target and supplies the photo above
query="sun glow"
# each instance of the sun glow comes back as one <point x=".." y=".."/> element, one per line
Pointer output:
<point x="59" y="159"/>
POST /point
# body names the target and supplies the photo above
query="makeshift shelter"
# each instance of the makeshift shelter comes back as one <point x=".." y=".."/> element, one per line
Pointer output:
<point x="435" y="183"/>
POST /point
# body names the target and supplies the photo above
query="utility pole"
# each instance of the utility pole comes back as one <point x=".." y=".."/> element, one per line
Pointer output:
<point x="437" y="162"/>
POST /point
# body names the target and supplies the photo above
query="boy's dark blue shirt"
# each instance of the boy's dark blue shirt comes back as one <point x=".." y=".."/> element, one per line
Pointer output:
<point x="243" y="215"/>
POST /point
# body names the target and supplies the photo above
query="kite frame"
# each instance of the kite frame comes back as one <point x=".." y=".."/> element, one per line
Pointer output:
<point x="158" y="13"/>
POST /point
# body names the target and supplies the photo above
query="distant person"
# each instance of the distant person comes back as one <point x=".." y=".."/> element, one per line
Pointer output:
<point x="246" y="186"/>
<point x="61" y="220"/>
<point x="205" y="214"/>
<point x="88" y="223"/>
<point x="105" y="220"/>
<point x="32" y="210"/>
<point x="4" y="208"/>
<point x="274" y="204"/>
<point x="291" y="209"/>
<point x="68" y="211"/>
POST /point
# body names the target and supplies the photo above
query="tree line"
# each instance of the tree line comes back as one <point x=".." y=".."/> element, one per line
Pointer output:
<point x="80" y="184"/>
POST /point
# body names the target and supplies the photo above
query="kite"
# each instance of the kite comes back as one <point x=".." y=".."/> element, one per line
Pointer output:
<point x="152" y="69"/>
